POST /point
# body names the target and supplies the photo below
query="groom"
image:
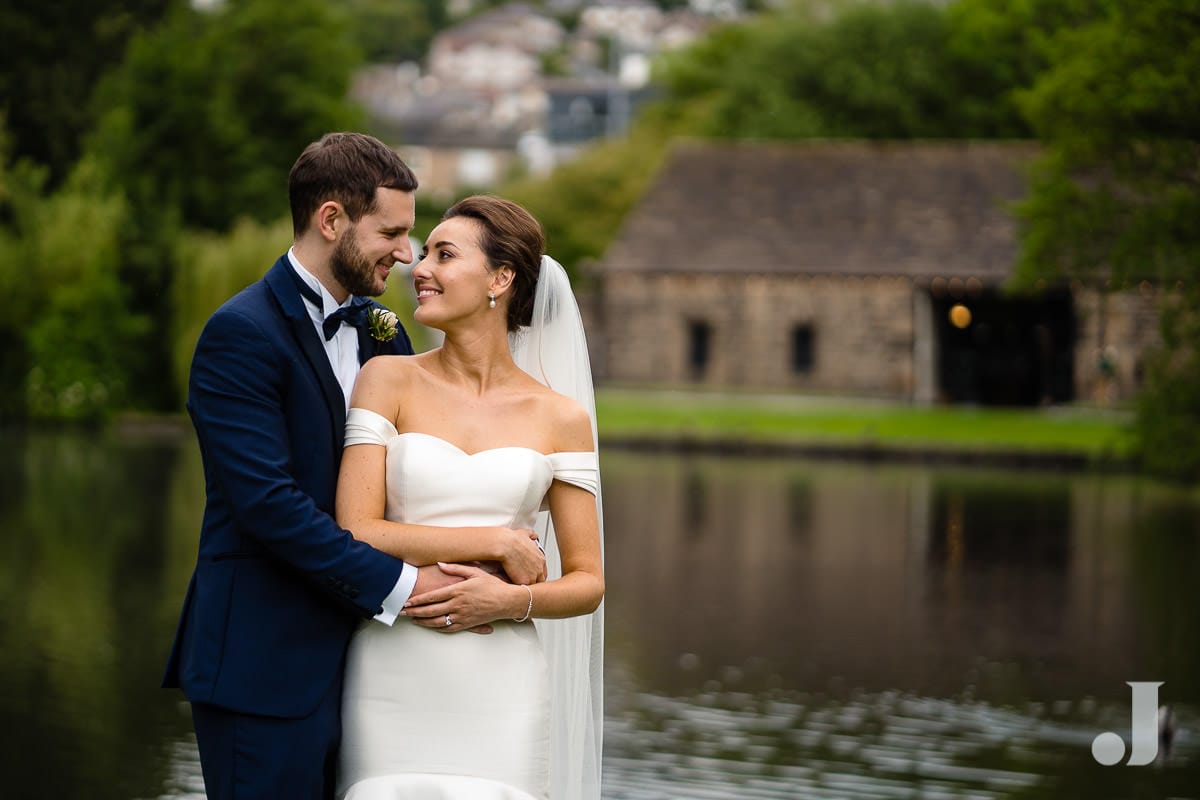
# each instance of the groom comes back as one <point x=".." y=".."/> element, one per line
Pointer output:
<point x="278" y="587"/>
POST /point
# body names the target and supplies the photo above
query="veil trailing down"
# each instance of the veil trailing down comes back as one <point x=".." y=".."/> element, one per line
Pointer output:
<point x="553" y="349"/>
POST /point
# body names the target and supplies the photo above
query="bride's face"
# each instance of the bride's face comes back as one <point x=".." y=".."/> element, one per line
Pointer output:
<point x="452" y="278"/>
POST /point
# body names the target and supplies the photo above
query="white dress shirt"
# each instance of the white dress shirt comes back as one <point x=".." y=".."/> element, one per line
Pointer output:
<point x="342" y="351"/>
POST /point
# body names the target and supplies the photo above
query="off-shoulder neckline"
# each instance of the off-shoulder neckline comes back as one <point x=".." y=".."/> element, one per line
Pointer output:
<point x="397" y="435"/>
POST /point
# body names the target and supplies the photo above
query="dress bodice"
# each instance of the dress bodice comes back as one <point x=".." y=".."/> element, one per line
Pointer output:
<point x="420" y="719"/>
<point x="433" y="482"/>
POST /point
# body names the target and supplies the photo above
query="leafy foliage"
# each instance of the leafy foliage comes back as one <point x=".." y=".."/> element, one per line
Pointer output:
<point x="208" y="112"/>
<point x="869" y="70"/>
<point x="1117" y="198"/>
<point x="1119" y="194"/>
<point x="78" y="338"/>
<point x="198" y="127"/>
<point x="1168" y="408"/>
<point x="219" y="266"/>
<point x="53" y="55"/>
<point x="391" y="31"/>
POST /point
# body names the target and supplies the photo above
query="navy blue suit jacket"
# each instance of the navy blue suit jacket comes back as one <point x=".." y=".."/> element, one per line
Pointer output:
<point x="278" y="587"/>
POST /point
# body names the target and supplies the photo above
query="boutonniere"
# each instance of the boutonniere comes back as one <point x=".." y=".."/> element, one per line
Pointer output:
<point x="382" y="324"/>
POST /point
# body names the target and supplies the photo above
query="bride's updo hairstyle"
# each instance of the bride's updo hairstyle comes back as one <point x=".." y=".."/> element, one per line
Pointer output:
<point x="511" y="237"/>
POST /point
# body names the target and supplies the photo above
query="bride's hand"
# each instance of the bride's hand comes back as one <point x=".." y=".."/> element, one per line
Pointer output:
<point x="523" y="559"/>
<point x="477" y="599"/>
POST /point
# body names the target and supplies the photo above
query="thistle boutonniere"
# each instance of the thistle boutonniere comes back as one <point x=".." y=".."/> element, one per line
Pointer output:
<point x="382" y="324"/>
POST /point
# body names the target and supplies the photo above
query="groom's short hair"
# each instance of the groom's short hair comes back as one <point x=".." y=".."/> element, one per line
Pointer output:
<point x="348" y="168"/>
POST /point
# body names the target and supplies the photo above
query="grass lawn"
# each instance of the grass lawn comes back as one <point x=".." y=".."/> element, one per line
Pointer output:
<point x="796" y="419"/>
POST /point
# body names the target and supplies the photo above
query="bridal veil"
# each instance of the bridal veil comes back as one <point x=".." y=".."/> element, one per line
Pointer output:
<point x="553" y="349"/>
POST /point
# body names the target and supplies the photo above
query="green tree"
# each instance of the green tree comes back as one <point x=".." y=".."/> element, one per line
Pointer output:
<point x="203" y="121"/>
<point x="208" y="111"/>
<point x="1000" y="47"/>
<point x="71" y="338"/>
<point x="52" y="57"/>
<point x="1117" y="197"/>
<point x="20" y="185"/>
<point x="874" y="70"/>
<point x="219" y="266"/>
<point x="391" y="31"/>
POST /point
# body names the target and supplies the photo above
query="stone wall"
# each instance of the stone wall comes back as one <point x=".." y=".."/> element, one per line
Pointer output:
<point x="866" y="334"/>
<point x="862" y="331"/>
<point x="1114" y="332"/>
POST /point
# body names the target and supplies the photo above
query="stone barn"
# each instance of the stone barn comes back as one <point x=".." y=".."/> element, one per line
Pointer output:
<point x="855" y="268"/>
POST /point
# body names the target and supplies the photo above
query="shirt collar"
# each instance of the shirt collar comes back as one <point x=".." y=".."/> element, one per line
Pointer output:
<point x="329" y="304"/>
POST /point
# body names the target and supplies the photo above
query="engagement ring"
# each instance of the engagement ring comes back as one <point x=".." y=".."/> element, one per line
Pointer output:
<point x="448" y="622"/>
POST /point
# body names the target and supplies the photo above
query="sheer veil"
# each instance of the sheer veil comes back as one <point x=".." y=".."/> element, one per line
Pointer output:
<point x="553" y="349"/>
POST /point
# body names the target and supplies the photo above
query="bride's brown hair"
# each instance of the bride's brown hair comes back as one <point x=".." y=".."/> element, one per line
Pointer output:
<point x="511" y="238"/>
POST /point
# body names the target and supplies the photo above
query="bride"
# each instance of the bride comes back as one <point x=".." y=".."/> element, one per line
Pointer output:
<point x="444" y="450"/>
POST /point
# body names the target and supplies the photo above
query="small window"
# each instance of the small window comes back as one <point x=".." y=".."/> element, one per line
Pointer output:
<point x="802" y="349"/>
<point x="699" y="334"/>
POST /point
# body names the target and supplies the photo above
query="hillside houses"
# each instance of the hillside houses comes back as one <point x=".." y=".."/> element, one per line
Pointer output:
<point x="514" y="89"/>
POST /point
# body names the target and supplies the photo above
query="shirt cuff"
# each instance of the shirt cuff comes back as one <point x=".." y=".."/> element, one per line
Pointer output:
<point x="393" y="604"/>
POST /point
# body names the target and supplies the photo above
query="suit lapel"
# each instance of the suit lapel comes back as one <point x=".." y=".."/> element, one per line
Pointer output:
<point x="366" y="344"/>
<point x="282" y="280"/>
<point x="369" y="347"/>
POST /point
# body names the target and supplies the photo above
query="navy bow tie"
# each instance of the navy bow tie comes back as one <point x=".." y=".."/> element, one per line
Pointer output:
<point x="354" y="314"/>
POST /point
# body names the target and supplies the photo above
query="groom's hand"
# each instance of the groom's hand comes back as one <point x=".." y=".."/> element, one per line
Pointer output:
<point x="433" y="577"/>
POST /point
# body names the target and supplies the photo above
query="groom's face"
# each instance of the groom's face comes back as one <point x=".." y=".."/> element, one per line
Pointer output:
<point x="366" y="251"/>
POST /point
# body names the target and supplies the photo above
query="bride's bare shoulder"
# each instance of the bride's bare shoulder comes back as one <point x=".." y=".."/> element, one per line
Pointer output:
<point x="382" y="380"/>
<point x="388" y="369"/>
<point x="569" y="422"/>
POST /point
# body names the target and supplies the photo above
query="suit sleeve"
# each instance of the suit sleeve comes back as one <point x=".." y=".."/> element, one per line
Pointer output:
<point x="235" y="397"/>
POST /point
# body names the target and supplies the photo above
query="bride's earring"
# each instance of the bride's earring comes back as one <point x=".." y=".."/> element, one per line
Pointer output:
<point x="491" y="299"/>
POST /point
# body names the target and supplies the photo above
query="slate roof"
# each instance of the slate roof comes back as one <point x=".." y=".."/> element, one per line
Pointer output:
<point x="919" y="209"/>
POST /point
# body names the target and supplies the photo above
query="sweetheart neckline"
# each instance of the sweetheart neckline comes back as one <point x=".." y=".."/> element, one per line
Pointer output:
<point x="478" y="452"/>
<point x="397" y="434"/>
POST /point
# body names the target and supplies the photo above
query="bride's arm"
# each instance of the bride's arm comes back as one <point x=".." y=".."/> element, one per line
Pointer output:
<point x="362" y="499"/>
<point x="480" y="599"/>
<point x="577" y="531"/>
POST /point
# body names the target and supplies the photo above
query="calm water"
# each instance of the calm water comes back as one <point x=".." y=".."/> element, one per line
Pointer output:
<point x="776" y="629"/>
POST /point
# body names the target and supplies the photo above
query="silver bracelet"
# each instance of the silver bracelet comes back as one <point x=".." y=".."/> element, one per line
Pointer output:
<point x="528" y="610"/>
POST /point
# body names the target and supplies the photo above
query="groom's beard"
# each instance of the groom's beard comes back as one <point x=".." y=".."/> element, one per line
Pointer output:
<point x="353" y="270"/>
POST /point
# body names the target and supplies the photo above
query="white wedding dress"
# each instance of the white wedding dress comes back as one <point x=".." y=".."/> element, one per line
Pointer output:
<point x="432" y="716"/>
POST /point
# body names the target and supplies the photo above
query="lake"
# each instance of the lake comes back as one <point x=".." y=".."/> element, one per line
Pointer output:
<point x="776" y="628"/>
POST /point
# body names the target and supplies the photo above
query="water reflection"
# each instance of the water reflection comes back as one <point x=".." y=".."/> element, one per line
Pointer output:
<point x="826" y="630"/>
<point x="775" y="629"/>
<point x="898" y="577"/>
<point x="84" y="550"/>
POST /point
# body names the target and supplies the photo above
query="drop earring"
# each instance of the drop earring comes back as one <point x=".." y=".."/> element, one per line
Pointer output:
<point x="491" y="299"/>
